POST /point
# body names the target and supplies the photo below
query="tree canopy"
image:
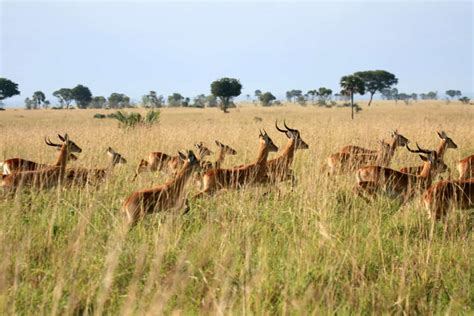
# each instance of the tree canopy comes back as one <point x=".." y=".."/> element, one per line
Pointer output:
<point x="82" y="95"/>
<point x="65" y="96"/>
<point x="8" y="89"/>
<point x="376" y="80"/>
<point x="266" y="98"/>
<point x="351" y="85"/>
<point x="225" y="89"/>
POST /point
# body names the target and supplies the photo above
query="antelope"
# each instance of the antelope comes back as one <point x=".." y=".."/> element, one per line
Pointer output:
<point x="466" y="168"/>
<point x="343" y="162"/>
<point x="372" y="179"/>
<point x="160" y="161"/>
<point x="279" y="168"/>
<point x="235" y="178"/>
<point x="443" y="195"/>
<point x="169" y="195"/>
<point x="47" y="177"/>
<point x="446" y="142"/>
<point x="18" y="164"/>
<point x="222" y="151"/>
<point x="81" y="176"/>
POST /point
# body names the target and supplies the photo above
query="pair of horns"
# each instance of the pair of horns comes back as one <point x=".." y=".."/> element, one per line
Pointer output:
<point x="420" y="150"/>
<point x="50" y="143"/>
<point x="286" y="126"/>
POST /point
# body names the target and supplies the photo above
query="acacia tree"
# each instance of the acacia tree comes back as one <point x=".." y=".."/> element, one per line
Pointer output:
<point x="323" y="95"/>
<point x="8" y="89"/>
<point x="38" y="99"/>
<point x="266" y="98"/>
<point x="453" y="93"/>
<point x="82" y="95"/>
<point x="65" y="96"/>
<point x="376" y="80"/>
<point x="351" y="85"/>
<point x="226" y="89"/>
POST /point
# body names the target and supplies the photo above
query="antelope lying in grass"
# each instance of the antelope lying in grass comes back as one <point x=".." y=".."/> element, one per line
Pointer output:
<point x="169" y="195"/>
<point x="345" y="162"/>
<point x="82" y="176"/>
<point x="18" y="164"/>
<point x="466" y="168"/>
<point x="445" y="195"/>
<point x="446" y="143"/>
<point x="158" y="161"/>
<point x="376" y="179"/>
<point x="43" y="178"/>
<point x="279" y="168"/>
<point x="235" y="178"/>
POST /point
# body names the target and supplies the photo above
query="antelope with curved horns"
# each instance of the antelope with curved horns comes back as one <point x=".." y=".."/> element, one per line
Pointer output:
<point x="466" y="168"/>
<point x="344" y="162"/>
<point x="169" y="195"/>
<point x="235" y="178"/>
<point x="373" y="179"/>
<point x="445" y="195"/>
<point x="279" y="168"/>
<point x="159" y="161"/>
<point x="353" y="149"/>
<point x="82" y="176"/>
<point x="18" y="164"/>
<point x="46" y="177"/>
<point x="446" y="142"/>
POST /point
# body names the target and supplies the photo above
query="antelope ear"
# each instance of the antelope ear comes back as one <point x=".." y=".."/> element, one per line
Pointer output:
<point x="61" y="138"/>
<point x="423" y="158"/>
<point x="182" y="156"/>
<point x="440" y="135"/>
<point x="198" y="145"/>
<point x="219" y="144"/>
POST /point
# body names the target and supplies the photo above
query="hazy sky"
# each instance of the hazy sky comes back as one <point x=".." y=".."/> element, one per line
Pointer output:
<point x="134" y="47"/>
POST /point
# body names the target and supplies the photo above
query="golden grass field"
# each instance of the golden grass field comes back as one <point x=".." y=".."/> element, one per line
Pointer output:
<point x="316" y="249"/>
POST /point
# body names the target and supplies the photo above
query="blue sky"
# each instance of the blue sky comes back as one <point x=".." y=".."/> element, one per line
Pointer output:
<point x="134" y="47"/>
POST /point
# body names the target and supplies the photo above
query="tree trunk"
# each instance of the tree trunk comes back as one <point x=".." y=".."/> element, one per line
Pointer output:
<point x="371" y="96"/>
<point x="352" y="105"/>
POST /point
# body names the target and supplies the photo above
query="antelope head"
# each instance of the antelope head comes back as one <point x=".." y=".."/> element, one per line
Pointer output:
<point x="265" y="140"/>
<point x="115" y="157"/>
<point x="190" y="160"/>
<point x="450" y="143"/>
<point x="437" y="164"/>
<point x="293" y="134"/>
<point x="399" y="139"/>
<point x="226" y="149"/>
<point x="71" y="146"/>
<point x="203" y="151"/>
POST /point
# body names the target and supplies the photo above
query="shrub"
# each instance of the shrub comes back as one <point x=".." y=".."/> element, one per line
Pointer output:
<point x="464" y="100"/>
<point x="134" y="119"/>
<point x="99" y="116"/>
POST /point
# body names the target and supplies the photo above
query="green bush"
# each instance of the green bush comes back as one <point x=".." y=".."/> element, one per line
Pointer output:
<point x="134" y="119"/>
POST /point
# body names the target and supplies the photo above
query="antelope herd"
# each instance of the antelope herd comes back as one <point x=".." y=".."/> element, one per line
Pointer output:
<point x="371" y="168"/>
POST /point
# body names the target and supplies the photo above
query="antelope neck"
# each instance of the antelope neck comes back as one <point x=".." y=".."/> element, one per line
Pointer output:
<point x="262" y="153"/>
<point x="442" y="148"/>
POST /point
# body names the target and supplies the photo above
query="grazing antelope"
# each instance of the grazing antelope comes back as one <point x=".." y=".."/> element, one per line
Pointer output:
<point x="466" y="168"/>
<point x="373" y="179"/>
<point x="18" y="164"/>
<point x="444" y="195"/>
<point x="160" y="161"/>
<point x="46" y="177"/>
<point x="82" y="176"/>
<point x="344" y="162"/>
<point x="279" y="168"/>
<point x="169" y="195"/>
<point x="446" y="142"/>
<point x="253" y="173"/>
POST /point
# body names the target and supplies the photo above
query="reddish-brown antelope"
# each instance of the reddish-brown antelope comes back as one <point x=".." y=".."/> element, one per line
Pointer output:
<point x="345" y="162"/>
<point x="18" y="164"/>
<point x="446" y="142"/>
<point x="169" y="195"/>
<point x="222" y="151"/>
<point x="253" y="173"/>
<point x="279" y="168"/>
<point x="46" y="177"/>
<point x="375" y="179"/>
<point x="466" y="168"/>
<point x="82" y="176"/>
<point x="445" y="195"/>
<point x="158" y="161"/>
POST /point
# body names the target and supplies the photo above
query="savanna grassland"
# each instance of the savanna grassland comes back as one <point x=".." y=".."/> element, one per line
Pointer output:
<point x="314" y="249"/>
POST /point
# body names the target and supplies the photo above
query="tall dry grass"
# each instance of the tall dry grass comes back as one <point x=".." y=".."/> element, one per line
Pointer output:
<point x="315" y="249"/>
